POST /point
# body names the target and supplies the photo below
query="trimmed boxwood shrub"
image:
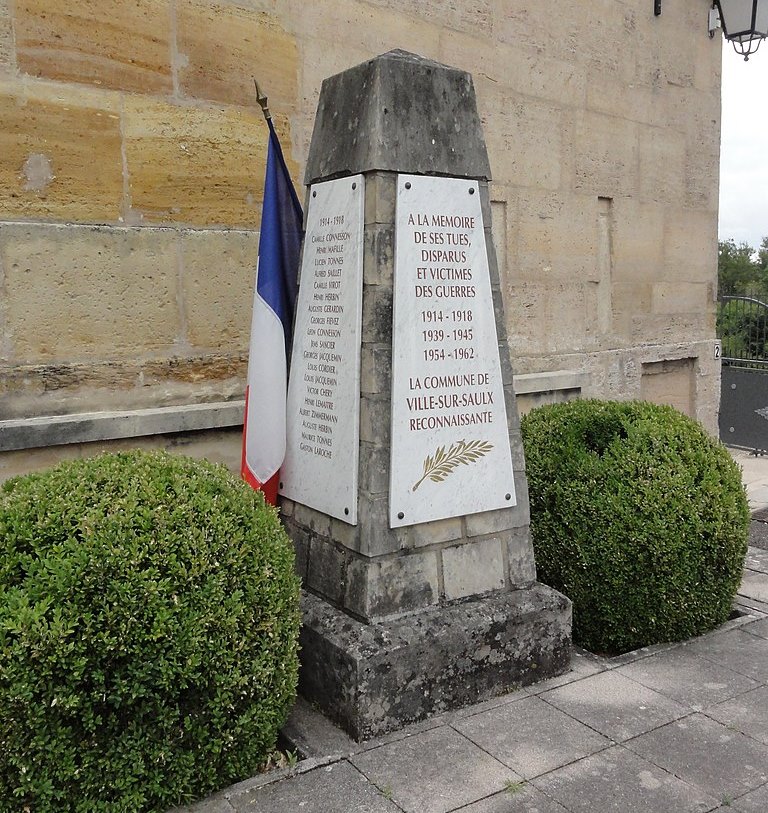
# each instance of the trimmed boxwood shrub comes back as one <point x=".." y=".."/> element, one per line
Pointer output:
<point x="148" y="634"/>
<point x="638" y="516"/>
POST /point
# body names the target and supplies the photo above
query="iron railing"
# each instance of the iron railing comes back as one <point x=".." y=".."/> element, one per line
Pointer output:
<point x="742" y="326"/>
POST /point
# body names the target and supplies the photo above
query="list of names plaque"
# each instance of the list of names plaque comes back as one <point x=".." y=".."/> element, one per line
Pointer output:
<point x="450" y="441"/>
<point x="321" y="462"/>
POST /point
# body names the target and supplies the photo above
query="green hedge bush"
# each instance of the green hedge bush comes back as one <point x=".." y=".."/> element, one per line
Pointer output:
<point x="148" y="634"/>
<point x="638" y="516"/>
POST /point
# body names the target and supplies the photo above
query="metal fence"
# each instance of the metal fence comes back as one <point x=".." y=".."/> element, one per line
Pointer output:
<point x="742" y="325"/>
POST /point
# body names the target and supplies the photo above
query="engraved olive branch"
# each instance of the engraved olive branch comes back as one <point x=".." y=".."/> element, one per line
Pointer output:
<point x="437" y="468"/>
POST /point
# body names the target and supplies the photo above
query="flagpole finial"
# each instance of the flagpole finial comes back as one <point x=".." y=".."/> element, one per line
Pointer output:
<point x="262" y="100"/>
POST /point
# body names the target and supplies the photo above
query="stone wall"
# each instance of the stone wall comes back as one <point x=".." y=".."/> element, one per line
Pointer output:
<point x="132" y="160"/>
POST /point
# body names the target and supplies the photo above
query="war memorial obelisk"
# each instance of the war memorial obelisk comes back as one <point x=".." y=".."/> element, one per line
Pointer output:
<point x="404" y="485"/>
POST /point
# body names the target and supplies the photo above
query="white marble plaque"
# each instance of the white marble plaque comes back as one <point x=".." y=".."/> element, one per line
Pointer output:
<point x="450" y="440"/>
<point x="321" y="461"/>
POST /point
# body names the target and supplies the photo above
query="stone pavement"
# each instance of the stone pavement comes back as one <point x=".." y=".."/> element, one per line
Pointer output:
<point x="668" y="729"/>
<point x="754" y="471"/>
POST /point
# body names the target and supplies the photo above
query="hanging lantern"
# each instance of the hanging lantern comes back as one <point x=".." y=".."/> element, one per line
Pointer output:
<point x="745" y="23"/>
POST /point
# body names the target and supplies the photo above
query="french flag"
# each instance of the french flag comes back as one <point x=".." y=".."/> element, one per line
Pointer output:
<point x="264" y="424"/>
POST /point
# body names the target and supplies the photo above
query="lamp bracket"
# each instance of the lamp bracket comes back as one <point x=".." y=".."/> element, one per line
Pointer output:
<point x="714" y="21"/>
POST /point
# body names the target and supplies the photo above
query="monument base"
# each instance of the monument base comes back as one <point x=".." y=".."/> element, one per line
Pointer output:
<point x="376" y="678"/>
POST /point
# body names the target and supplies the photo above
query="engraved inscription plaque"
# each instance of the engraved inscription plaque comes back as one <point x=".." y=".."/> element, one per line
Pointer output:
<point x="450" y="441"/>
<point x="321" y="461"/>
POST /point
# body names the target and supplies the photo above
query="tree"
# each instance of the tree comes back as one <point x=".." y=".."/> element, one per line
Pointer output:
<point x="736" y="268"/>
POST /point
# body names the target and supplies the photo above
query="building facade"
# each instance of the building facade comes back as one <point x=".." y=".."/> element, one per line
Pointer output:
<point x="132" y="157"/>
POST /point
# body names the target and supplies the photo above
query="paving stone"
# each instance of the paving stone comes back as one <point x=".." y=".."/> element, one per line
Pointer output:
<point x="522" y="798"/>
<point x="313" y="734"/>
<point x="487" y="705"/>
<point x="755" y="801"/>
<point x="747" y="713"/>
<point x="583" y="664"/>
<point x="455" y="773"/>
<point x="759" y="628"/>
<point x="215" y="804"/>
<point x="705" y="753"/>
<point x="531" y="736"/>
<point x="736" y="650"/>
<point x="614" y="705"/>
<point x="618" y="780"/>
<point x="754" y="585"/>
<point x="687" y="677"/>
<point x="337" y="788"/>
<point x="756" y="559"/>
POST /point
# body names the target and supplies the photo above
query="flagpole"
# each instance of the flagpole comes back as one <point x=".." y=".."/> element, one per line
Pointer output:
<point x="262" y="100"/>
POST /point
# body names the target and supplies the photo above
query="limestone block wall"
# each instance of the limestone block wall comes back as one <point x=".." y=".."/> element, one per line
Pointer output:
<point x="132" y="160"/>
<point x="131" y="171"/>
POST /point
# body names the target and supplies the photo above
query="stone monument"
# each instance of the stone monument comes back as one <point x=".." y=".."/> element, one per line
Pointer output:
<point x="404" y="485"/>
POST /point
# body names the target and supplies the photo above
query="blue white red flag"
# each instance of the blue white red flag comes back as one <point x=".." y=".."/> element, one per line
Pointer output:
<point x="274" y="300"/>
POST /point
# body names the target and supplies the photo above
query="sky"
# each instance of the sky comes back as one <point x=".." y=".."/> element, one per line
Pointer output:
<point x="744" y="147"/>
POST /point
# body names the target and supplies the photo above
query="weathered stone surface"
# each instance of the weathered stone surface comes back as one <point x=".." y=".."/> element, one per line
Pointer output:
<point x="326" y="570"/>
<point x="754" y="802"/>
<point x="379" y="252"/>
<point x="218" y="278"/>
<point x="375" y="369"/>
<point x="336" y="788"/>
<point x="376" y="29"/>
<point x="222" y="47"/>
<point x="7" y="53"/>
<point x="705" y="682"/>
<point x="377" y="315"/>
<point x="522" y="567"/>
<point x="402" y="584"/>
<point x="311" y="734"/>
<point x="124" y="46"/>
<point x="680" y="297"/>
<point x="219" y="446"/>
<point x="532" y="135"/>
<point x="375" y="424"/>
<point x="734" y="649"/>
<point x="374" y="678"/>
<point x="374" y="468"/>
<point x="524" y="798"/>
<point x="606" y="155"/>
<point x="515" y="735"/>
<point x="617" y="779"/>
<point x="433" y="533"/>
<point x="195" y="166"/>
<point x="50" y="272"/>
<point x="503" y="519"/>
<point x="397" y="766"/>
<point x="398" y="101"/>
<point x="614" y="705"/>
<point x="669" y="382"/>
<point x="685" y="748"/>
<point x="380" y="194"/>
<point x="747" y="713"/>
<point x="473" y="567"/>
<point x="317" y="522"/>
<point x="374" y="536"/>
<point x="29" y="390"/>
<point x="47" y="146"/>
<point x="30" y="433"/>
